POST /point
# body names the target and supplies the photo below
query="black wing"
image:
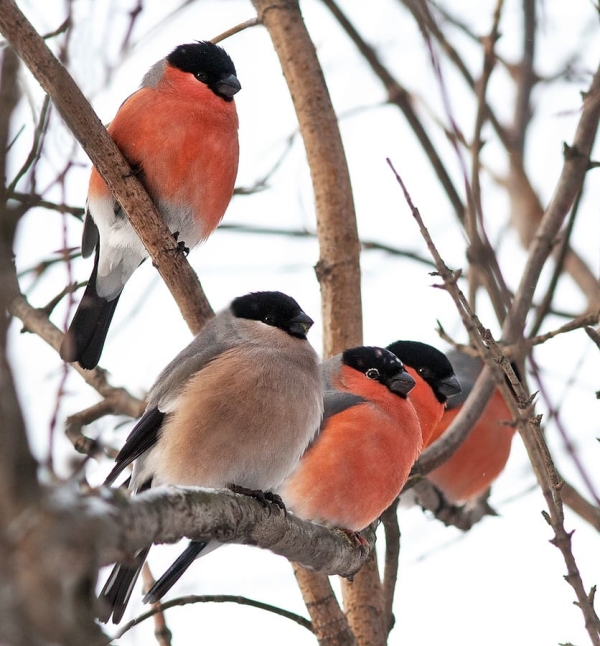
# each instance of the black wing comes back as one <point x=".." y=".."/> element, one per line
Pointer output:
<point x="142" y="438"/>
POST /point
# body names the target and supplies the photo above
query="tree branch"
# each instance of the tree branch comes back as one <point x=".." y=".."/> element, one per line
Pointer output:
<point x="104" y="154"/>
<point x="338" y="269"/>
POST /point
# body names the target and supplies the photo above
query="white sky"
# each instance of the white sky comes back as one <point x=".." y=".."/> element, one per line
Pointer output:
<point x="500" y="583"/>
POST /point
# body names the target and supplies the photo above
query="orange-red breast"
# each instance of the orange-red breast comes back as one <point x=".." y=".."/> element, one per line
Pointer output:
<point x="361" y="458"/>
<point x="481" y="458"/>
<point x="369" y="440"/>
<point x="179" y="133"/>
<point x="435" y="382"/>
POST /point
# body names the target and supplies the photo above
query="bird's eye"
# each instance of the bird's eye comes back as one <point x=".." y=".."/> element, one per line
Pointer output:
<point x="269" y="319"/>
<point x="425" y="372"/>
<point x="202" y="76"/>
<point x="372" y="373"/>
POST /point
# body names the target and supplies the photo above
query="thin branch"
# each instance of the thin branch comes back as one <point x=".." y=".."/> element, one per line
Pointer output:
<point x="251" y="22"/>
<point x="36" y="146"/>
<point x="110" y="405"/>
<point x="36" y="321"/>
<point x="562" y="431"/>
<point x="161" y="631"/>
<point x="526" y="79"/>
<point x="528" y="425"/>
<point x="214" y="598"/>
<point x="463" y="517"/>
<point x="400" y="96"/>
<point x="575" y="501"/>
<point x="570" y="182"/>
<point x="560" y="256"/>
<point x="594" y="335"/>
<point x="366" y="245"/>
<point x="389" y="520"/>
<point x="18" y="480"/>
<point x="577" y="323"/>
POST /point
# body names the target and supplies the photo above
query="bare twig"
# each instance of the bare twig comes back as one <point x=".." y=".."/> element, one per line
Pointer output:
<point x="570" y="182"/>
<point x="161" y="631"/>
<point x="594" y="335"/>
<point x="528" y="425"/>
<point x="251" y="22"/>
<point x="213" y="598"/>
<point x="400" y="96"/>
<point x="112" y="404"/>
<point x="36" y="146"/>
<point x="389" y="520"/>
<point x="577" y="323"/>
<point x="37" y="321"/>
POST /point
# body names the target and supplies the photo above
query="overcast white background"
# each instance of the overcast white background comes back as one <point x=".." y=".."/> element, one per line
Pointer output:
<point x="500" y="583"/>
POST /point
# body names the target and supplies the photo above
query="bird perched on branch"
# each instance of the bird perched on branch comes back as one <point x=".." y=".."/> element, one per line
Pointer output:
<point x="358" y="463"/>
<point x="236" y="408"/>
<point x="481" y="458"/>
<point x="179" y="133"/>
<point x="435" y="382"/>
<point x="369" y="439"/>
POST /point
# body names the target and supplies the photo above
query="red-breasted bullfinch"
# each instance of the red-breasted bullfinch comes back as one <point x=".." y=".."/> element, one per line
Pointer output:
<point x="369" y="439"/>
<point x="481" y="458"/>
<point x="179" y="133"/>
<point x="361" y="457"/>
<point x="236" y="408"/>
<point x="435" y="382"/>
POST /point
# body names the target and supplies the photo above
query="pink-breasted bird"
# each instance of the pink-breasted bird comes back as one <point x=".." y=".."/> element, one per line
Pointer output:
<point x="236" y="408"/>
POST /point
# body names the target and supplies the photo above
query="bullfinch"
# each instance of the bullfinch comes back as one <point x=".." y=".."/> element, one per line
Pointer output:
<point x="179" y="133"/>
<point x="358" y="463"/>
<point x="481" y="458"/>
<point x="236" y="408"/>
<point x="435" y="382"/>
<point x="368" y="441"/>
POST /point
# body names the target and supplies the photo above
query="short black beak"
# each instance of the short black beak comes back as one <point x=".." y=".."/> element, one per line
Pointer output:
<point x="229" y="86"/>
<point x="401" y="384"/>
<point x="300" y="325"/>
<point x="449" y="386"/>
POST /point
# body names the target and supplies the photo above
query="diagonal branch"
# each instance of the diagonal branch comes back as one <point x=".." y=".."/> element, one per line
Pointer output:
<point x="104" y="154"/>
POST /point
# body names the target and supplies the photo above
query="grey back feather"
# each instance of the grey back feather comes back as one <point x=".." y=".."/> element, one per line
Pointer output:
<point x="466" y="369"/>
<point x="154" y="74"/>
<point x="214" y="338"/>
<point x="335" y="401"/>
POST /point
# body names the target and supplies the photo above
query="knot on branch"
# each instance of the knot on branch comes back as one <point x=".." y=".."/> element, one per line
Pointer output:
<point x="326" y="270"/>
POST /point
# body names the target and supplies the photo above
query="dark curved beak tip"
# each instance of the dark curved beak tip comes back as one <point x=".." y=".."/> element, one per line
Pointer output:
<point x="402" y="384"/>
<point x="301" y="324"/>
<point x="229" y="85"/>
<point x="449" y="386"/>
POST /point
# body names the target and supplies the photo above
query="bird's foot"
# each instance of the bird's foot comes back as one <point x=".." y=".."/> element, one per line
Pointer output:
<point x="265" y="498"/>
<point x="181" y="246"/>
<point x="358" y="539"/>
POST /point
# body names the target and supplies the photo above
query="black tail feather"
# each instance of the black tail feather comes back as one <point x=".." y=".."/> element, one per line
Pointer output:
<point x="174" y="573"/>
<point x="86" y="335"/>
<point x="117" y="590"/>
